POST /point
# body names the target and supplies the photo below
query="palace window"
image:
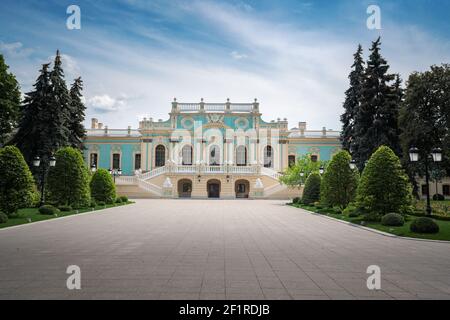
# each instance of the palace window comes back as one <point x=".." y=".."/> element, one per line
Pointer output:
<point x="214" y="156"/>
<point x="186" y="155"/>
<point x="241" y="156"/>
<point x="137" y="161"/>
<point x="268" y="157"/>
<point x="314" y="158"/>
<point x="160" y="156"/>
<point x="424" y="190"/>
<point x="116" y="161"/>
<point x="291" y="161"/>
<point x="446" y="190"/>
<point x="93" y="160"/>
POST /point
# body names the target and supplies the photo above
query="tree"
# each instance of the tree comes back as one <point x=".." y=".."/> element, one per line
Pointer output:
<point x="311" y="193"/>
<point x="29" y="137"/>
<point x="352" y="101"/>
<point x="339" y="181"/>
<point x="9" y="102"/>
<point x="376" y="121"/>
<point x="68" y="181"/>
<point x="292" y="176"/>
<point x="425" y="118"/>
<point x="77" y="108"/>
<point x="102" y="186"/>
<point x="384" y="185"/>
<point x="17" y="188"/>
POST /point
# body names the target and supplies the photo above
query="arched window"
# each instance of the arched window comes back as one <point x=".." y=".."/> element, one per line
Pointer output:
<point x="160" y="156"/>
<point x="268" y="157"/>
<point x="241" y="156"/>
<point x="186" y="155"/>
<point x="214" y="156"/>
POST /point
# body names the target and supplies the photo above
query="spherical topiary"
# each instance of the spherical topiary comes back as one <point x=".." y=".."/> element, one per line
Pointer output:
<point x="102" y="187"/>
<point x="68" y="180"/>
<point x="124" y="198"/>
<point x="424" y="225"/>
<point x="17" y="188"/>
<point x="384" y="186"/>
<point x="48" y="210"/>
<point x="392" y="220"/>
<point x="65" y="208"/>
<point x="118" y="200"/>
<point x="296" y="200"/>
<point x="311" y="193"/>
<point x="438" y="197"/>
<point x="3" y="218"/>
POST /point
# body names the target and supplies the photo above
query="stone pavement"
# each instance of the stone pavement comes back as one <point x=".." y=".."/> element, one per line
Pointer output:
<point x="216" y="249"/>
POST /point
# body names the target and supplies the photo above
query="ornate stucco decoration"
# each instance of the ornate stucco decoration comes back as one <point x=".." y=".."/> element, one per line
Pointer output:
<point x="215" y="118"/>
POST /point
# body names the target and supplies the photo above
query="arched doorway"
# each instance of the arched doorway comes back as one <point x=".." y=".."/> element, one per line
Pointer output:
<point x="242" y="188"/>
<point x="184" y="188"/>
<point x="213" y="188"/>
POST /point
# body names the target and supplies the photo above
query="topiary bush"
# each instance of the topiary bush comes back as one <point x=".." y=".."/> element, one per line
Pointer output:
<point x="124" y="198"/>
<point x="93" y="204"/>
<point x="65" y="208"/>
<point x="372" y="217"/>
<point x="48" y="210"/>
<point x="102" y="187"/>
<point x="17" y="188"/>
<point x="68" y="181"/>
<point x="339" y="181"/>
<point x="311" y="193"/>
<point x="3" y="218"/>
<point x="438" y="197"/>
<point x="424" y="225"/>
<point x="296" y="200"/>
<point x="384" y="186"/>
<point x="118" y="200"/>
<point x="392" y="220"/>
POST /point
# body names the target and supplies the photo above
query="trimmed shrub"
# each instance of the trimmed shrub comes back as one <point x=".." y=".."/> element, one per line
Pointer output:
<point x="384" y="186"/>
<point x="3" y="218"/>
<point x="296" y="200"/>
<point x="17" y="188"/>
<point x="438" y="197"/>
<point x="101" y="203"/>
<point x="372" y="217"/>
<point x="392" y="220"/>
<point x="102" y="187"/>
<point x="48" y="210"/>
<point x="124" y="198"/>
<point x="311" y="193"/>
<point x="65" y="208"/>
<point x="93" y="204"/>
<point x="339" y="182"/>
<point x="424" y="225"/>
<point x="68" y="181"/>
<point x="118" y="200"/>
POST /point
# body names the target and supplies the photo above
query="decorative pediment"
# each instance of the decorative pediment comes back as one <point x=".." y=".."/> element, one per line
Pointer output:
<point x="215" y="118"/>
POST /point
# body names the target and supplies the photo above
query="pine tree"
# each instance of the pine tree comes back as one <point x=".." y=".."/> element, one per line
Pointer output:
<point x="29" y="137"/>
<point x="352" y="101"/>
<point x="77" y="108"/>
<point x="376" y="121"/>
<point x="9" y="102"/>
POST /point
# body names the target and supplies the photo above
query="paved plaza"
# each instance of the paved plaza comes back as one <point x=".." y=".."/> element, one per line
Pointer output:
<point x="198" y="249"/>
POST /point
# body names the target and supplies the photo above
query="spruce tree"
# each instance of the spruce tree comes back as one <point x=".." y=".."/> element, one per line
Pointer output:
<point x="376" y="120"/>
<point x="30" y="134"/>
<point x="352" y="101"/>
<point x="77" y="108"/>
<point x="9" y="102"/>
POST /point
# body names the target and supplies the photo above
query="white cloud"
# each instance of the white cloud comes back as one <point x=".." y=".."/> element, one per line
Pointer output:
<point x="15" y="49"/>
<point x="238" y="56"/>
<point x="104" y="103"/>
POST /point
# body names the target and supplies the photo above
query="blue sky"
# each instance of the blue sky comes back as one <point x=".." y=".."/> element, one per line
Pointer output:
<point x="294" y="56"/>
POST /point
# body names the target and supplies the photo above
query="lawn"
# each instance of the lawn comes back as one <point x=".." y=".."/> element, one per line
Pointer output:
<point x="30" y="215"/>
<point x="403" y="231"/>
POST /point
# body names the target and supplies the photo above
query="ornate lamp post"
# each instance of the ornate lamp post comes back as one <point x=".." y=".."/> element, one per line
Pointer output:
<point x="353" y="164"/>
<point x="115" y="173"/>
<point x="45" y="167"/>
<point x="436" y="156"/>
<point x="321" y="170"/>
<point x="93" y="168"/>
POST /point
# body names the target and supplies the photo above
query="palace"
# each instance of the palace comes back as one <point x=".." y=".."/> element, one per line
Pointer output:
<point x="206" y="150"/>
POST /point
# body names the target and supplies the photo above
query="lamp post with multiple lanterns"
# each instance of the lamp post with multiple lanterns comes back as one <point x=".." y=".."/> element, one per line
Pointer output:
<point x="37" y="162"/>
<point x="435" y="156"/>
<point x="115" y="173"/>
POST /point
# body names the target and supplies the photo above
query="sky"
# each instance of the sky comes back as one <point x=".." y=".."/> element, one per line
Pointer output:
<point x="294" y="56"/>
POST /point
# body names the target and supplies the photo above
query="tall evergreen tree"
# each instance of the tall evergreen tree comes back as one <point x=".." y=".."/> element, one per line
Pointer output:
<point x="352" y="101"/>
<point x="77" y="108"/>
<point x="376" y="121"/>
<point x="29" y="137"/>
<point x="9" y="102"/>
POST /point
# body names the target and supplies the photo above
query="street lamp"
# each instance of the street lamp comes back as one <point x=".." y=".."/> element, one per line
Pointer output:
<point x="45" y="166"/>
<point x="353" y="164"/>
<point x="115" y="173"/>
<point x="436" y="155"/>
<point x="93" y="168"/>
<point x="321" y="170"/>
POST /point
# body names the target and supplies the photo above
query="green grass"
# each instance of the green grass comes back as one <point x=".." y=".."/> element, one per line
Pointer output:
<point x="403" y="231"/>
<point x="25" y="215"/>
